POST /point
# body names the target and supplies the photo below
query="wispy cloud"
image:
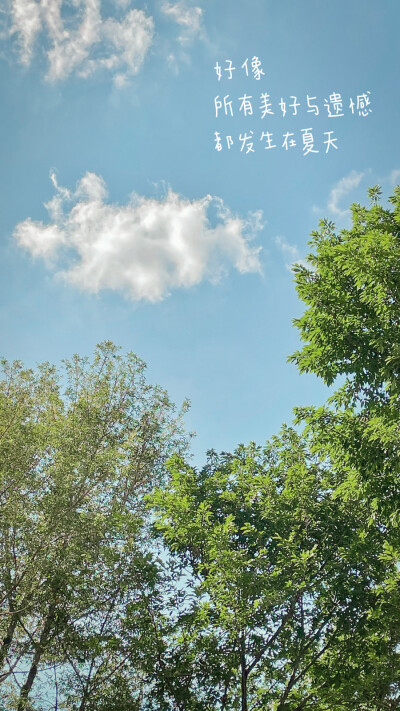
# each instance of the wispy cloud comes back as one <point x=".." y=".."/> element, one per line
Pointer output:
<point x="290" y="252"/>
<point x="339" y="192"/>
<point x="189" y="19"/>
<point x="342" y="188"/>
<point x="145" y="248"/>
<point x="394" y="177"/>
<point x="85" y="42"/>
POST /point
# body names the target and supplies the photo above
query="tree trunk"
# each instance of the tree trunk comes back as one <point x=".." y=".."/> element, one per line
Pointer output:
<point x="23" y="698"/>
<point x="243" y="673"/>
<point x="6" y="643"/>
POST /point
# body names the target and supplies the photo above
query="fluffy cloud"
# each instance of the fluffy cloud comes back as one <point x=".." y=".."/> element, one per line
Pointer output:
<point x="85" y="42"/>
<point x="188" y="18"/>
<point x="145" y="248"/>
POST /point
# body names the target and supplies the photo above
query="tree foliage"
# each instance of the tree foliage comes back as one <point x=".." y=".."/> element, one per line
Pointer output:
<point x="285" y="578"/>
<point x="78" y="451"/>
<point x="351" y="331"/>
<point x="352" y="292"/>
<point x="268" y="578"/>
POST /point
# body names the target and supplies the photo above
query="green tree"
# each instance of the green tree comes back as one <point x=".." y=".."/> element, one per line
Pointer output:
<point x="268" y="579"/>
<point x="351" y="332"/>
<point x="352" y="293"/>
<point x="281" y="575"/>
<point x="78" y="450"/>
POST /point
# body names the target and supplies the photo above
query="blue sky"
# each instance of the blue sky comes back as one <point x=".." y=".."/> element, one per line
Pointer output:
<point x="151" y="237"/>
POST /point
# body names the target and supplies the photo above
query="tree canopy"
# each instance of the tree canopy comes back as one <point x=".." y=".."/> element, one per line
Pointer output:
<point x="78" y="451"/>
<point x="283" y="578"/>
<point x="269" y="578"/>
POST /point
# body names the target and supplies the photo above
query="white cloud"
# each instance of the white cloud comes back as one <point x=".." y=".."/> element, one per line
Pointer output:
<point x="394" y="177"/>
<point x="27" y="23"/>
<point x="348" y="183"/>
<point x="291" y="252"/>
<point x="86" y="42"/>
<point x="188" y="18"/>
<point x="145" y="248"/>
<point x="342" y="188"/>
